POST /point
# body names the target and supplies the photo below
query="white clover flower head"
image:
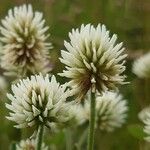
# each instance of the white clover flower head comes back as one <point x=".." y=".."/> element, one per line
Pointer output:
<point x="93" y="58"/>
<point x="23" y="35"/>
<point x="111" y="111"/>
<point x="29" y="144"/>
<point x="80" y="113"/>
<point x="38" y="101"/>
<point x="141" y="66"/>
<point x="144" y="116"/>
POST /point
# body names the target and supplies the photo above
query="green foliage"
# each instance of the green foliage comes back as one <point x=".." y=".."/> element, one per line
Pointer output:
<point x="136" y="131"/>
<point x="13" y="146"/>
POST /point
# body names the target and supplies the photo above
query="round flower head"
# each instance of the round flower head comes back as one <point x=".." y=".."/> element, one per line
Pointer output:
<point x="141" y="66"/>
<point x="25" y="49"/>
<point x="111" y="111"/>
<point x="38" y="100"/>
<point x="29" y="144"/>
<point x="80" y="113"/>
<point x="93" y="59"/>
<point x="144" y="116"/>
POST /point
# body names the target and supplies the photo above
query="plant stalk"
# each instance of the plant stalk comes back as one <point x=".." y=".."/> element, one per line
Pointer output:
<point x="91" y="122"/>
<point x="40" y="137"/>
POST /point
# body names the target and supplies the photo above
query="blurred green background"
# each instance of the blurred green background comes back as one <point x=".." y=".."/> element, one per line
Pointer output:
<point x="130" y="19"/>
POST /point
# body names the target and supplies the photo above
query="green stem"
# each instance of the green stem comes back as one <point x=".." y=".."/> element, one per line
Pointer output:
<point x="40" y="137"/>
<point x="68" y="139"/>
<point x="92" y="122"/>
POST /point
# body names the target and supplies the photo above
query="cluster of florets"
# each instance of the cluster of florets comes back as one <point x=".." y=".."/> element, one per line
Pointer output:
<point x="111" y="111"/>
<point x="24" y="47"/>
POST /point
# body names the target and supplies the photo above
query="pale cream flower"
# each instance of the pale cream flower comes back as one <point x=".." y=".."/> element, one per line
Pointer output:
<point x="23" y="35"/>
<point x="80" y="113"/>
<point x="111" y="111"/>
<point x="144" y="116"/>
<point x="29" y="144"/>
<point x="141" y="66"/>
<point x="38" y="100"/>
<point x="93" y="59"/>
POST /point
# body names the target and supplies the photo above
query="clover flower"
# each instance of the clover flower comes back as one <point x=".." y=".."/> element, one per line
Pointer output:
<point x="144" y="116"/>
<point x="141" y="66"/>
<point x="111" y="111"/>
<point x="38" y="101"/>
<point x="80" y="113"/>
<point x="93" y="59"/>
<point x="29" y="144"/>
<point x="23" y="35"/>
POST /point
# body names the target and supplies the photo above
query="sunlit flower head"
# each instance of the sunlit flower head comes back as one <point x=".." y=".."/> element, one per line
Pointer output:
<point x="93" y="59"/>
<point x="144" y="116"/>
<point x="23" y="35"/>
<point x="29" y="144"/>
<point x="141" y="66"/>
<point x="38" y="100"/>
<point x="111" y="111"/>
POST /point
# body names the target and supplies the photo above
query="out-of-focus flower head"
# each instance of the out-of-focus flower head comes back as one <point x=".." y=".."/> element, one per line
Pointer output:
<point x="144" y="116"/>
<point x="111" y="111"/>
<point x="24" y="47"/>
<point x="141" y="66"/>
<point x="29" y="144"/>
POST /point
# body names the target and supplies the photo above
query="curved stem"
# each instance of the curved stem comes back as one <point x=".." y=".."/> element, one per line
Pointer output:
<point x="40" y="137"/>
<point x="92" y="122"/>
